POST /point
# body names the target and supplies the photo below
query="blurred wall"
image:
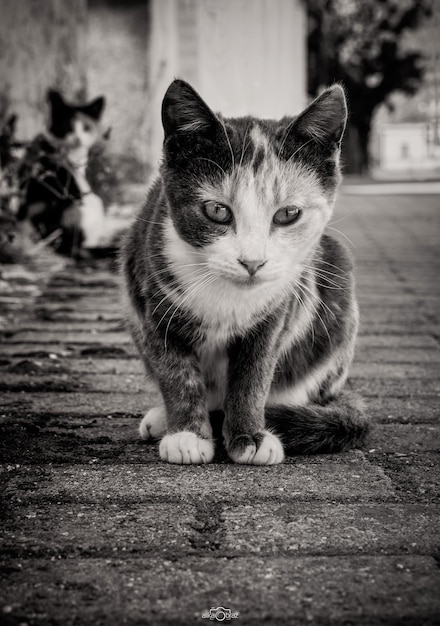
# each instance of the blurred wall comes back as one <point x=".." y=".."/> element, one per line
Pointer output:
<point x="117" y="62"/>
<point x="243" y="56"/>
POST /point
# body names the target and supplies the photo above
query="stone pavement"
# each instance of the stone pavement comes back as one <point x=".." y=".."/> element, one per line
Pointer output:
<point x="96" y="530"/>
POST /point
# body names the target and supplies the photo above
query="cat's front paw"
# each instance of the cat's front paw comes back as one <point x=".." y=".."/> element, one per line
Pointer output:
<point x="186" y="448"/>
<point x="154" y="423"/>
<point x="263" y="448"/>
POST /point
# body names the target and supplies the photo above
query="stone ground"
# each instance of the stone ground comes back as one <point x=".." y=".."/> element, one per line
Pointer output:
<point x="96" y="530"/>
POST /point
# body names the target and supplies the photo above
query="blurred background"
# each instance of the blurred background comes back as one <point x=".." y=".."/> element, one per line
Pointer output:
<point x="262" y="57"/>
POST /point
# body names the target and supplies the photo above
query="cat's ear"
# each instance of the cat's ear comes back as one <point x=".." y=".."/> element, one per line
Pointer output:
<point x="184" y="111"/>
<point x="325" y="118"/>
<point x="11" y="122"/>
<point x="95" y="108"/>
<point x="55" y="99"/>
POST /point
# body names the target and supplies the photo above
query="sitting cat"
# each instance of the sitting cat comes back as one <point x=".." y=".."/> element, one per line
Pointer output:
<point x="57" y="195"/>
<point x="239" y="300"/>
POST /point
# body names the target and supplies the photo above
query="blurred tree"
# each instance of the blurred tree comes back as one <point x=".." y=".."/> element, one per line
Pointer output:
<point x="361" y="45"/>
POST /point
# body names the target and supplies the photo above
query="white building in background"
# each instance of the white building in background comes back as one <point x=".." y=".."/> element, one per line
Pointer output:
<point x="243" y="56"/>
<point x="408" y="149"/>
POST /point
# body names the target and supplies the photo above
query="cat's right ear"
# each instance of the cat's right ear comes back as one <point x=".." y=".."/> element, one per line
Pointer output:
<point x="184" y="111"/>
<point x="324" y="120"/>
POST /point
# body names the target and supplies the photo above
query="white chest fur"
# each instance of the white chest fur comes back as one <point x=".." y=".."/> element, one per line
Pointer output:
<point x="91" y="207"/>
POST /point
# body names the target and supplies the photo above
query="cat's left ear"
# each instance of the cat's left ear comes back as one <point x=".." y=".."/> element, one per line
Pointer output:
<point x="95" y="108"/>
<point x="184" y="111"/>
<point x="11" y="122"/>
<point x="324" y="120"/>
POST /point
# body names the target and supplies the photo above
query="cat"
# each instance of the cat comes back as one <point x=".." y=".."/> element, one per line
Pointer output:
<point x="56" y="194"/>
<point x="238" y="301"/>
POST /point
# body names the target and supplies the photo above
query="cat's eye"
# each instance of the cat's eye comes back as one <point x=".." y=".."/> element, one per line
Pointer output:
<point x="217" y="212"/>
<point x="286" y="215"/>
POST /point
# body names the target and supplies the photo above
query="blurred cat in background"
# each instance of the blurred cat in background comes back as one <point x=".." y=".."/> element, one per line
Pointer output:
<point x="57" y="198"/>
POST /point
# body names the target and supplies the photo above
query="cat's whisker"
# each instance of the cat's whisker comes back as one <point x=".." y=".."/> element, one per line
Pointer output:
<point x="284" y="138"/>
<point x="341" y="219"/>
<point x="167" y="269"/>
<point x="182" y="280"/>
<point x="343" y="235"/>
<point x="141" y="219"/>
<point x="298" y="149"/>
<point x="244" y="147"/>
<point x="209" y="280"/>
<point x="326" y="272"/>
<point x="162" y="254"/>
<point x="175" y="285"/>
<point x="157" y="273"/>
<point x="332" y="265"/>
<point x="329" y="283"/>
<point x="206" y="279"/>
<point x="302" y="286"/>
<point x="229" y="143"/>
<point x="321" y="301"/>
<point x="211" y="161"/>
<point x="304" y="305"/>
<point x="195" y="284"/>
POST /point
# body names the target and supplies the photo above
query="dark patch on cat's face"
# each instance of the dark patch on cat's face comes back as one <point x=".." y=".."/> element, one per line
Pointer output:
<point x="258" y="159"/>
<point x="63" y="114"/>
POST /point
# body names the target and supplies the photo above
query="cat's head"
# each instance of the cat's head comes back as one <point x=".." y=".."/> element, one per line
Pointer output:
<point x="252" y="196"/>
<point x="75" y="125"/>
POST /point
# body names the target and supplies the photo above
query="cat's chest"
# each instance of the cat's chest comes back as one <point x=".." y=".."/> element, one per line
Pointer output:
<point x="225" y="311"/>
<point x="78" y="158"/>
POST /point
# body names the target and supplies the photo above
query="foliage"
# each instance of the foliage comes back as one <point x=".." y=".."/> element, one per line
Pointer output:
<point x="361" y="44"/>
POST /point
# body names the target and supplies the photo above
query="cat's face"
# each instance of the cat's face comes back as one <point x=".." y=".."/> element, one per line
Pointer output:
<point x="249" y="198"/>
<point x="76" y="126"/>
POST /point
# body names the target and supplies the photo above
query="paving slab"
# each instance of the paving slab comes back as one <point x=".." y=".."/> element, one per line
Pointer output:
<point x="179" y="529"/>
<point x="395" y="387"/>
<point x="279" y="590"/>
<point x="100" y="403"/>
<point x="422" y="409"/>
<point x="346" y="477"/>
<point x="380" y="355"/>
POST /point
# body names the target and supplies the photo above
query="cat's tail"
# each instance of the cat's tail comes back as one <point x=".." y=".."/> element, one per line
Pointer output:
<point x="336" y="426"/>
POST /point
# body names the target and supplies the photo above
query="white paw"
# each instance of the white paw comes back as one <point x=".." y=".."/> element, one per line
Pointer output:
<point x="186" y="447"/>
<point x="267" y="451"/>
<point x="154" y="423"/>
<point x="270" y="451"/>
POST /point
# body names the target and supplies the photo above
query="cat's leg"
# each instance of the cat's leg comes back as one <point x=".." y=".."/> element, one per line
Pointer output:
<point x="92" y="219"/>
<point x="188" y="437"/>
<point x="250" y="373"/>
<point x="154" y="423"/>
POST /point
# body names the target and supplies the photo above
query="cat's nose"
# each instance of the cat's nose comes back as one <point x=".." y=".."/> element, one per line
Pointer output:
<point x="252" y="266"/>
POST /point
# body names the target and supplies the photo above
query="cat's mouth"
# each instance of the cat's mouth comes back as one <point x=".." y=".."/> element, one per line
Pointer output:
<point x="246" y="281"/>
